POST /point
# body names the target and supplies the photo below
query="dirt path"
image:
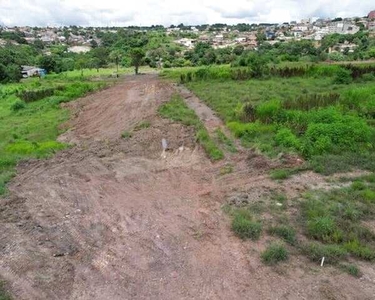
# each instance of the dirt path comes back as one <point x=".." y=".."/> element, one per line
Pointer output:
<point x="110" y="219"/>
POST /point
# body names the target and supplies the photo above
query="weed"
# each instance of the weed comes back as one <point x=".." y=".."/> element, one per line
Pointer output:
<point x="316" y="251"/>
<point x="142" y="125"/>
<point x="274" y="254"/>
<point x="280" y="174"/>
<point x="287" y="233"/>
<point x="244" y="227"/>
<point x="226" y="170"/>
<point x="351" y="270"/>
<point x="126" y="135"/>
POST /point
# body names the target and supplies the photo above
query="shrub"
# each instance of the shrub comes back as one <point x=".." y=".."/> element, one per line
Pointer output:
<point x="274" y="254"/>
<point x="18" y="105"/>
<point x="244" y="227"/>
<point x="285" y="137"/>
<point x="316" y="251"/>
<point x="343" y="76"/>
<point x="288" y="234"/>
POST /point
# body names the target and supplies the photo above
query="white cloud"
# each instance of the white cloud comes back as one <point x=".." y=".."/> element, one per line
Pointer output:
<point x="166" y="12"/>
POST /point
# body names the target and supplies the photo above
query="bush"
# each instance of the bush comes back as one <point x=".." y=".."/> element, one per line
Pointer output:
<point x="286" y="138"/>
<point x="343" y="76"/>
<point x="18" y="105"/>
<point x="244" y="227"/>
<point x="274" y="254"/>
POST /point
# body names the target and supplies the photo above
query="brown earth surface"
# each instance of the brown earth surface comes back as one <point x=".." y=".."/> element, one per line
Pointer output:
<point x="110" y="218"/>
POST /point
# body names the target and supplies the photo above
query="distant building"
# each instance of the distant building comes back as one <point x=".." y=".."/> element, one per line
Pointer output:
<point x="371" y="15"/>
<point x="30" y="71"/>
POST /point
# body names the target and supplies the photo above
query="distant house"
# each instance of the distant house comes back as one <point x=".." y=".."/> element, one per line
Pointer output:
<point x="30" y="71"/>
<point x="371" y="15"/>
<point x="186" y="42"/>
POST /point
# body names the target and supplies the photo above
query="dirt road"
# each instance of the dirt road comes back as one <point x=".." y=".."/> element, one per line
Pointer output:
<point x="110" y="218"/>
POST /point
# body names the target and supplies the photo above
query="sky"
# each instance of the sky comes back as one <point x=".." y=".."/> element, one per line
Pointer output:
<point x="167" y="12"/>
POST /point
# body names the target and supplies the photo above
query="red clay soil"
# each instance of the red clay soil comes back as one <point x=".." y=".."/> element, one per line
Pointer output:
<point x="110" y="218"/>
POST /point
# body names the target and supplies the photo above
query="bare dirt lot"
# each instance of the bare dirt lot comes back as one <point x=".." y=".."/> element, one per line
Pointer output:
<point x="110" y="218"/>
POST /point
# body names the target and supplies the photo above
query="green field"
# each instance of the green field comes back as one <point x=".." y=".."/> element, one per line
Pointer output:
<point x="327" y="122"/>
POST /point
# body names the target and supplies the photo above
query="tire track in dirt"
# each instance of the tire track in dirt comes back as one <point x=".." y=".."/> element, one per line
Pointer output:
<point x="110" y="219"/>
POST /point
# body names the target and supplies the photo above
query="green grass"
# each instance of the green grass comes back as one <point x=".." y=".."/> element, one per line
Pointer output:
<point x="280" y="174"/>
<point x="4" y="295"/>
<point x="177" y="110"/>
<point x="332" y="253"/>
<point x="126" y="135"/>
<point x="244" y="227"/>
<point x="351" y="270"/>
<point x="225" y="141"/>
<point x="287" y="233"/>
<point x="274" y="254"/>
<point x="142" y="125"/>
<point x="336" y="218"/>
<point x="29" y="130"/>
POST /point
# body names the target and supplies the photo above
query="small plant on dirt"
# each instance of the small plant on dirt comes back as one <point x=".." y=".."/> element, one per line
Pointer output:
<point x="226" y="170"/>
<point x="274" y="254"/>
<point x="351" y="270"/>
<point x="126" y="135"/>
<point x="244" y="227"/>
<point x="142" y="125"/>
<point x="287" y="233"/>
<point x="280" y="174"/>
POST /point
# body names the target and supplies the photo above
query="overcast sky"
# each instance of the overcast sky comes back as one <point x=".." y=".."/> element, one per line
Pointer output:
<point x="167" y="12"/>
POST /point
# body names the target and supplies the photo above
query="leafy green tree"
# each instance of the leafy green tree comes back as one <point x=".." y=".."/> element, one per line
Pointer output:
<point x="48" y="62"/>
<point x="137" y="55"/>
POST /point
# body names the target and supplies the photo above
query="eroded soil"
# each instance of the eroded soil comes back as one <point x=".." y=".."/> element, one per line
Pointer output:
<point x="110" y="218"/>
